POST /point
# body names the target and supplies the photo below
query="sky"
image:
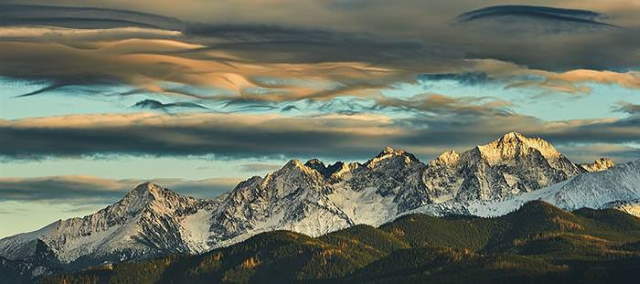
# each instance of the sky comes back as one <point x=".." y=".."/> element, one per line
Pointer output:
<point x="98" y="96"/>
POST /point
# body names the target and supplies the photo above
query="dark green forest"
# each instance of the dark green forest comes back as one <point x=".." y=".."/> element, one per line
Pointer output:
<point x="536" y="244"/>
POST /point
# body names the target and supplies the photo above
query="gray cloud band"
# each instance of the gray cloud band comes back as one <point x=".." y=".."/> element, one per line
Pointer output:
<point x="93" y="190"/>
<point x="463" y="124"/>
<point x="402" y="56"/>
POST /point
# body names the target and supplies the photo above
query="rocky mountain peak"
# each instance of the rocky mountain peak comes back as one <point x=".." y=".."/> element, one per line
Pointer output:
<point x="513" y="136"/>
<point x="143" y="193"/>
<point x="291" y="177"/>
<point x="391" y="155"/>
<point x="293" y="164"/>
<point x="328" y="171"/>
<point x="513" y="145"/>
<point x="147" y="188"/>
<point x="149" y="196"/>
<point x="598" y="165"/>
<point x="313" y="163"/>
<point x="295" y="167"/>
<point x="391" y="150"/>
<point x="448" y="158"/>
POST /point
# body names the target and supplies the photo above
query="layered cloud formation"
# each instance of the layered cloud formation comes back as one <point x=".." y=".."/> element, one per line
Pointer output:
<point x="235" y="83"/>
<point x="269" y="59"/>
<point x="93" y="190"/>
<point x="442" y="123"/>
<point x="97" y="94"/>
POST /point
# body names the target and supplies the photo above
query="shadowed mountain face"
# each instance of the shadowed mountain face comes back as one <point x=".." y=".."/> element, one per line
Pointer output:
<point x="314" y="199"/>
<point x="537" y="243"/>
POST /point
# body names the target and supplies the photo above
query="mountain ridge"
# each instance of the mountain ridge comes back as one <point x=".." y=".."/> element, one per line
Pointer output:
<point x="538" y="242"/>
<point x="309" y="198"/>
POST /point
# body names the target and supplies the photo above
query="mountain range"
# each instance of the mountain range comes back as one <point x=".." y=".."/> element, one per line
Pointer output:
<point x="538" y="243"/>
<point x="316" y="199"/>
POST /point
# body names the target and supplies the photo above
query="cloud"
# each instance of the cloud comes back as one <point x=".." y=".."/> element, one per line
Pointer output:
<point x="280" y="55"/>
<point x="259" y="167"/>
<point x="572" y="81"/>
<point x="173" y="68"/>
<point x="83" y="38"/>
<point x="83" y="17"/>
<point x="93" y="190"/>
<point x="541" y="13"/>
<point x="443" y="105"/>
<point x="629" y="108"/>
<point x="465" y="78"/>
<point x="59" y="188"/>
<point x="156" y="105"/>
<point x="224" y="135"/>
<point x="591" y="152"/>
<point x="489" y="71"/>
<point x="436" y="123"/>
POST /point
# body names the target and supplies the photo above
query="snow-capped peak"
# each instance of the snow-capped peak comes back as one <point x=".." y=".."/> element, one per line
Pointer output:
<point x="320" y="167"/>
<point x="314" y="198"/>
<point x="391" y="150"/>
<point x="391" y="153"/>
<point x="598" y="165"/>
<point x="513" y="145"/>
<point x="448" y="158"/>
<point x="314" y="163"/>
<point x="296" y="166"/>
<point x="335" y="171"/>
<point x="148" y="195"/>
<point x="145" y="191"/>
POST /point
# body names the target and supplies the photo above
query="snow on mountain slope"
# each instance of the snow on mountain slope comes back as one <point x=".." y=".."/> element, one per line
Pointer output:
<point x="290" y="197"/>
<point x="508" y="166"/>
<point x="598" y="165"/>
<point x="513" y="145"/>
<point x="618" y="187"/>
<point x="147" y="221"/>
<point x="314" y="199"/>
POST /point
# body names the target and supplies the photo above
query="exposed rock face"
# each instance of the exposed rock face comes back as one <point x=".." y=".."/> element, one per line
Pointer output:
<point x="145" y="223"/>
<point x="598" y="165"/>
<point x="310" y="198"/>
<point x="618" y="187"/>
<point x="505" y="167"/>
<point x="295" y="196"/>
